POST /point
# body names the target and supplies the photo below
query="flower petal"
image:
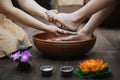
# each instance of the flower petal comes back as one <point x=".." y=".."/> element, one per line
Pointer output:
<point x="15" y="55"/>
<point x="24" y="58"/>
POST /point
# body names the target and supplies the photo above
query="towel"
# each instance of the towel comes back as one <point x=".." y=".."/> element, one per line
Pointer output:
<point x="11" y="36"/>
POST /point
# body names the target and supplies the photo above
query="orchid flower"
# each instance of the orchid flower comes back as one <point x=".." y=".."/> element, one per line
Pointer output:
<point x="22" y="54"/>
<point x="25" y="56"/>
<point x="15" y="56"/>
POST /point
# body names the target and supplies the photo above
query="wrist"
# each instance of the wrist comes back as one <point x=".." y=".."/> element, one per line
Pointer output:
<point x="43" y="15"/>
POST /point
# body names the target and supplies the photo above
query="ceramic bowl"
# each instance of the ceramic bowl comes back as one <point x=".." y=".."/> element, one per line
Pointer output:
<point x="49" y="47"/>
<point x="66" y="71"/>
<point x="46" y="70"/>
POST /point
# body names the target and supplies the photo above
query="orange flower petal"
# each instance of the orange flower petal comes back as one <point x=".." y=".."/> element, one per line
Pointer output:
<point x="105" y="65"/>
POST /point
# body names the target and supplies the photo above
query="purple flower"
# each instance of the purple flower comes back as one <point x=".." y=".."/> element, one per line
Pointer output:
<point x="25" y="56"/>
<point x="22" y="56"/>
<point x="27" y="53"/>
<point x="15" y="56"/>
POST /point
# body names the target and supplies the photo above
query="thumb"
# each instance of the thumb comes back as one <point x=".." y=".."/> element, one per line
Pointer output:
<point x="61" y="31"/>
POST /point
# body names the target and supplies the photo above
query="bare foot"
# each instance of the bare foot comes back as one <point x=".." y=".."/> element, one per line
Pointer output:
<point x="79" y="36"/>
<point x="66" y="20"/>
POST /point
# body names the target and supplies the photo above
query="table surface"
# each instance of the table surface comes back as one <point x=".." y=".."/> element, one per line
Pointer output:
<point x="107" y="47"/>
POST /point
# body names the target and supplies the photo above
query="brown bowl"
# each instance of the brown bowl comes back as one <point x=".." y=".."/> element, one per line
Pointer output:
<point x="48" y="47"/>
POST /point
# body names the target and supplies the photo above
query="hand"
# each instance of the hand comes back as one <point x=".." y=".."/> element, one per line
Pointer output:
<point x="50" y="18"/>
<point x="51" y="15"/>
<point x="55" y="30"/>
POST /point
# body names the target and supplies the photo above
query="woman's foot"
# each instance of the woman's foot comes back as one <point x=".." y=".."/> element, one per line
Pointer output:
<point x="66" y="20"/>
<point x="79" y="36"/>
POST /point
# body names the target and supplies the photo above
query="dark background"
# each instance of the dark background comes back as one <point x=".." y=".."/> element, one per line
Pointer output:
<point x="45" y="3"/>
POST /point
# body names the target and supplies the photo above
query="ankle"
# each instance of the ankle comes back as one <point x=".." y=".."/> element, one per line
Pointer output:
<point x="84" y="32"/>
<point x="78" y="17"/>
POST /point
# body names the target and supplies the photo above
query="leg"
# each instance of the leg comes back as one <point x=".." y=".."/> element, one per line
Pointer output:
<point x="8" y="42"/>
<point x="87" y="31"/>
<point x="17" y="31"/>
<point x="72" y="21"/>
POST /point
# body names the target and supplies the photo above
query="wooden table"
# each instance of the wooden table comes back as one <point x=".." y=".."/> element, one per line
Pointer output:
<point x="107" y="47"/>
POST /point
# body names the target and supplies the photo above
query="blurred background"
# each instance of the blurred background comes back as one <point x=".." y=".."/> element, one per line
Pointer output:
<point x="72" y="5"/>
